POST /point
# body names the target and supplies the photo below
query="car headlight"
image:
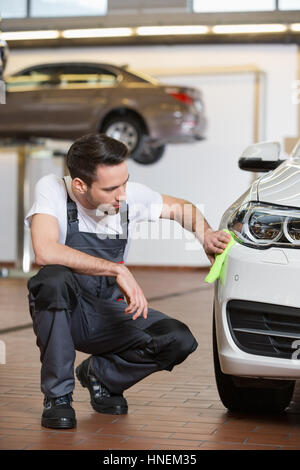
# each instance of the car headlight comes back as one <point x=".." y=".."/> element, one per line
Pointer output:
<point x="262" y="225"/>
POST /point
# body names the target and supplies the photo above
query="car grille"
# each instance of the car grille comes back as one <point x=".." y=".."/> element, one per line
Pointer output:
<point x="265" y="329"/>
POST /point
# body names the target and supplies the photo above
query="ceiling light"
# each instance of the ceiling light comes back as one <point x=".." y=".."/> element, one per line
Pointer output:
<point x="249" y="28"/>
<point x="170" y="30"/>
<point x="97" y="33"/>
<point x="295" y="27"/>
<point x="21" y="35"/>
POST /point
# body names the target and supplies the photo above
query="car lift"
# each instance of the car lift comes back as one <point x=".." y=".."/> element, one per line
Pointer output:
<point x="26" y="149"/>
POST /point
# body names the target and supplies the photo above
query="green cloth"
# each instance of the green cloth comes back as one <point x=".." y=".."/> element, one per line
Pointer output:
<point x="216" y="269"/>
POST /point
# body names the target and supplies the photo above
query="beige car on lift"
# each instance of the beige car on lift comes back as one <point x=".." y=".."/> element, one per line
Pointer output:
<point x="67" y="100"/>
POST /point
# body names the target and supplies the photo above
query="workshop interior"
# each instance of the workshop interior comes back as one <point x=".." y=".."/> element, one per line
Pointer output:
<point x="205" y="96"/>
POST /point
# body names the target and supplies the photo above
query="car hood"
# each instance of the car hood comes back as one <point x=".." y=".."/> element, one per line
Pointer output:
<point x="282" y="185"/>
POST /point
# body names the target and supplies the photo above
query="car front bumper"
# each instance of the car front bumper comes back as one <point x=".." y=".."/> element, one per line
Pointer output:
<point x="265" y="282"/>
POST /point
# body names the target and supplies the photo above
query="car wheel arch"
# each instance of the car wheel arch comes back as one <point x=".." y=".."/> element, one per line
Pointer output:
<point x="122" y="112"/>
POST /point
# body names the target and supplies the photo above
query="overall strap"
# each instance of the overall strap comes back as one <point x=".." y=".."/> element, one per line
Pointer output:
<point x="72" y="214"/>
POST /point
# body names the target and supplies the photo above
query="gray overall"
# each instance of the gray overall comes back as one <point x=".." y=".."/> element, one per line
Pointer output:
<point x="72" y="311"/>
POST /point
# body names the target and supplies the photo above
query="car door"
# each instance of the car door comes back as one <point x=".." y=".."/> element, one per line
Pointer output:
<point x="73" y="103"/>
<point x="21" y="113"/>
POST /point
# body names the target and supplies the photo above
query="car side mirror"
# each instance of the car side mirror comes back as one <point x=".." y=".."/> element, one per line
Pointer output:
<point x="261" y="157"/>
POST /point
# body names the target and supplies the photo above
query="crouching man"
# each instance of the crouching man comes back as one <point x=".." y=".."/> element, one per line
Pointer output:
<point x="84" y="297"/>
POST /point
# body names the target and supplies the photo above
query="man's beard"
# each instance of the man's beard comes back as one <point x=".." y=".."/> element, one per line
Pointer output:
<point x="105" y="208"/>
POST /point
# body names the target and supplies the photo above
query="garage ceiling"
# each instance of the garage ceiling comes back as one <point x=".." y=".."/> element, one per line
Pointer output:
<point x="154" y="13"/>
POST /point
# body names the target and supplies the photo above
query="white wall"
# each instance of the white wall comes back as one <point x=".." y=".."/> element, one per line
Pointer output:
<point x="205" y="172"/>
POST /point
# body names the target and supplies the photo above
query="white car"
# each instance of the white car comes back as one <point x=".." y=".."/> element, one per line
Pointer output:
<point x="256" y="327"/>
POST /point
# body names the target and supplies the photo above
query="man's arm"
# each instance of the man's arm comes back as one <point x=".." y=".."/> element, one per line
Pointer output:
<point x="189" y="216"/>
<point x="47" y="250"/>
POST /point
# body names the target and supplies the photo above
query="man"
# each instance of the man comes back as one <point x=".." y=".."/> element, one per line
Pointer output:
<point x="84" y="297"/>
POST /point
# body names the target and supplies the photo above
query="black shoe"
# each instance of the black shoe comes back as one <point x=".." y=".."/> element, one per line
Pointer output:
<point x="58" y="413"/>
<point x="102" y="400"/>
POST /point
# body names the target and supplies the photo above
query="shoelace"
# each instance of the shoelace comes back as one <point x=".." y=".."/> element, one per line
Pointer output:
<point x="99" y="390"/>
<point x="64" y="400"/>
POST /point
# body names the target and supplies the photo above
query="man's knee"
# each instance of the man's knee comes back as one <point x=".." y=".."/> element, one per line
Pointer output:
<point x="54" y="275"/>
<point x="51" y="287"/>
<point x="172" y="341"/>
<point x="185" y="343"/>
<point x="55" y="272"/>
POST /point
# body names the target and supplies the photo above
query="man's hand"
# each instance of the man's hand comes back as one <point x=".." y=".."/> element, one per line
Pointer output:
<point x="133" y="293"/>
<point x="215" y="243"/>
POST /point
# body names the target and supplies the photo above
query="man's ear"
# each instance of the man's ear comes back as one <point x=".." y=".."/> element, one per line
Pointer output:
<point x="79" y="185"/>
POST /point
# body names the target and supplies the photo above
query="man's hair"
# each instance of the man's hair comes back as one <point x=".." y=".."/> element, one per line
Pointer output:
<point x="91" y="150"/>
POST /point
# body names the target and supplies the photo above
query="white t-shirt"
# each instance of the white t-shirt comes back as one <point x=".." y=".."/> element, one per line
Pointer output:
<point x="50" y="198"/>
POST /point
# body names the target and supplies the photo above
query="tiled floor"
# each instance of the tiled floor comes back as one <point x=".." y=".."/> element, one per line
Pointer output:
<point x="168" y="410"/>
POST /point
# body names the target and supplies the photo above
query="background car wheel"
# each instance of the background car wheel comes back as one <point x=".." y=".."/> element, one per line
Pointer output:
<point x="149" y="154"/>
<point x="250" y="394"/>
<point x="129" y="129"/>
